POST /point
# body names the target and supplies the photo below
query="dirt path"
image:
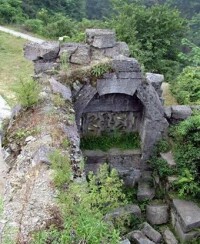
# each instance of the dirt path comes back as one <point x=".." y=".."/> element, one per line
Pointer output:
<point x="22" y="35"/>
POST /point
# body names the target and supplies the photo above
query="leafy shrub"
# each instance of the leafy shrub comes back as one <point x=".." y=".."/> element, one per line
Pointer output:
<point x="108" y="141"/>
<point x="105" y="190"/>
<point x="34" y="25"/>
<point x="186" y="87"/>
<point x="60" y="25"/>
<point x="83" y="205"/>
<point x="187" y="185"/>
<point x="187" y="154"/>
<point x="27" y="92"/>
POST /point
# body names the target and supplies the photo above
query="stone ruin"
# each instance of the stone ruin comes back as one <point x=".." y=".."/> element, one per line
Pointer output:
<point x="122" y="99"/>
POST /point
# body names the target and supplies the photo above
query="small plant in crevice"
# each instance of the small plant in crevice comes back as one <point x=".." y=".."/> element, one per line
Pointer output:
<point x="100" y="69"/>
<point x="58" y="100"/>
<point x="27" y="92"/>
<point x="64" y="61"/>
<point x="62" y="169"/>
<point x="186" y="184"/>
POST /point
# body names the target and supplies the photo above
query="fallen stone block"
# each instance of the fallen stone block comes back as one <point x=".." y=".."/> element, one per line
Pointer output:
<point x="57" y="87"/>
<point x="189" y="214"/>
<point x="100" y="38"/>
<point x="183" y="236"/>
<point x="181" y="112"/>
<point x="157" y="214"/>
<point x="138" y="237"/>
<point x="129" y="210"/>
<point x="145" y="191"/>
<point x="41" y="66"/>
<point x="81" y="55"/>
<point x="168" y="157"/>
<point x="169" y="237"/>
<point x="151" y="233"/>
<point x="126" y="241"/>
<point x="45" y="50"/>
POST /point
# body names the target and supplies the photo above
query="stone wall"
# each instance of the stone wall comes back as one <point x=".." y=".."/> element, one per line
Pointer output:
<point x="121" y="99"/>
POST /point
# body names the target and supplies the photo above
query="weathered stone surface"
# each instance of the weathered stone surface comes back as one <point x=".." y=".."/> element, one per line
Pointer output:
<point x="189" y="214"/>
<point x="114" y="103"/>
<point x="151" y="233"/>
<point x="129" y="75"/>
<point x="138" y="237"/>
<point x="81" y="55"/>
<point x="129" y="210"/>
<point x="110" y="86"/>
<point x="195" y="107"/>
<point x="181" y="112"/>
<point x="127" y="163"/>
<point x="153" y="107"/>
<point x="168" y="112"/>
<point x="68" y="49"/>
<point x="169" y="237"/>
<point x="122" y="63"/>
<point x="168" y="157"/>
<point x="122" y="48"/>
<point x="184" y="237"/>
<point x="41" y="156"/>
<point x="126" y="241"/>
<point x="151" y="131"/>
<point x="83" y="98"/>
<point x="157" y="214"/>
<point x="145" y="191"/>
<point x="100" y="38"/>
<point x="40" y="66"/>
<point x="155" y="79"/>
<point x="57" y="87"/>
<point x="45" y="50"/>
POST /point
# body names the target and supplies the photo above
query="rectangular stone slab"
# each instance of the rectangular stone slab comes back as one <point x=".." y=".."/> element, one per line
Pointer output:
<point x="189" y="214"/>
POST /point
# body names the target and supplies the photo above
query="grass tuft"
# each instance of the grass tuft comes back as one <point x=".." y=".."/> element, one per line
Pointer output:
<point x="106" y="141"/>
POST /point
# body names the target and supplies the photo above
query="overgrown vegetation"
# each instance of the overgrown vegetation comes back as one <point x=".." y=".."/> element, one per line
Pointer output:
<point x="83" y="205"/>
<point x="160" y="166"/>
<point x="27" y="92"/>
<point x="187" y="155"/>
<point x="186" y="88"/>
<point x="108" y="141"/>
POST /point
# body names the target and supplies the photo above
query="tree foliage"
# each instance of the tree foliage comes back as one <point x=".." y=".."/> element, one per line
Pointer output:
<point x="153" y="34"/>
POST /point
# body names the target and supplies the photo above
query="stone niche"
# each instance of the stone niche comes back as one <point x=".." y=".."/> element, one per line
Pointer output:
<point x="112" y="113"/>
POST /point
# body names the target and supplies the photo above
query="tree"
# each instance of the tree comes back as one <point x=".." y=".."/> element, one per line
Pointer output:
<point x="154" y="34"/>
<point x="11" y="11"/>
<point x="96" y="9"/>
<point x="72" y="8"/>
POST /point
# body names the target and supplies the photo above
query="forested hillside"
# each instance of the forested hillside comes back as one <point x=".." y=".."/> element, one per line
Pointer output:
<point x="162" y="34"/>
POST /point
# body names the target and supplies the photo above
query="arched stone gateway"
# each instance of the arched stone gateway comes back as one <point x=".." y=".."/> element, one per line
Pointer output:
<point x="126" y="100"/>
<point x="122" y="98"/>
